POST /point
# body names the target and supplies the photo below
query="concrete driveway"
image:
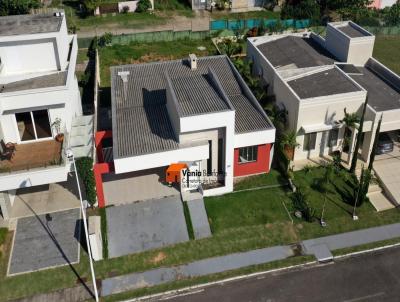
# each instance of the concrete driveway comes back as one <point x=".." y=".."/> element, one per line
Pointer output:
<point x="388" y="171"/>
<point x="45" y="241"/>
<point x="145" y="225"/>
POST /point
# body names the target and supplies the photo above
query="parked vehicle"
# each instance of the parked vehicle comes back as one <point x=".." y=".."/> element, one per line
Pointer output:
<point x="385" y="144"/>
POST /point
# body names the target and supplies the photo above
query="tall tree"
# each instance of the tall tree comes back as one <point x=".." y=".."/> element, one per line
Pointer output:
<point x="324" y="185"/>
<point x="375" y="145"/>
<point x="17" y="7"/>
<point x="359" y="138"/>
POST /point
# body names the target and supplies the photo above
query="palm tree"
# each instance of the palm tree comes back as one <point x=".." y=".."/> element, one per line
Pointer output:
<point x="288" y="144"/>
<point x="350" y="120"/>
<point x="359" y="138"/>
<point x="278" y="117"/>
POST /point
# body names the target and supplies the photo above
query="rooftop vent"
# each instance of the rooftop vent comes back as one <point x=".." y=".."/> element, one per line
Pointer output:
<point x="193" y="61"/>
<point x="123" y="75"/>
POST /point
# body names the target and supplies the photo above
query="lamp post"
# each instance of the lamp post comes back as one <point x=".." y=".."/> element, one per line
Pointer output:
<point x="70" y="156"/>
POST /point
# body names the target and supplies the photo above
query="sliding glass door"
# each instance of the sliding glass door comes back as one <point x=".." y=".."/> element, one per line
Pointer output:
<point x="33" y="125"/>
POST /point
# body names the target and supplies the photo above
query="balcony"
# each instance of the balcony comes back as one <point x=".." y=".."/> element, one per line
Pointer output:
<point x="33" y="155"/>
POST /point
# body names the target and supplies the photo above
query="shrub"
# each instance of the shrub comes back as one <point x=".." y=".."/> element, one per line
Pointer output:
<point x="84" y="166"/>
<point x="300" y="204"/>
<point x="143" y="6"/>
<point x="105" y="39"/>
<point x="125" y="9"/>
<point x="84" y="79"/>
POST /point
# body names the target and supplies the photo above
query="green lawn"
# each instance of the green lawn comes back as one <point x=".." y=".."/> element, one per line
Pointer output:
<point x="148" y="52"/>
<point x="164" y="10"/>
<point x="339" y="206"/>
<point x="387" y="51"/>
<point x="239" y="221"/>
<point x="273" y="178"/>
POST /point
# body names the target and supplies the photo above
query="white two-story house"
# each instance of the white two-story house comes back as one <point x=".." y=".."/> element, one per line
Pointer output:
<point x="40" y="103"/>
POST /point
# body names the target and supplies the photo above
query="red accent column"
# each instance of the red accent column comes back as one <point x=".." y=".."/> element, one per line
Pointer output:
<point x="256" y="167"/>
<point x="99" y="170"/>
<point x="101" y="167"/>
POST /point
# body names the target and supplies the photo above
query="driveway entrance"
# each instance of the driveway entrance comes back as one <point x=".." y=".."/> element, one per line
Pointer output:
<point x="136" y="186"/>
<point x="387" y="169"/>
<point x="45" y="241"/>
<point x="146" y="225"/>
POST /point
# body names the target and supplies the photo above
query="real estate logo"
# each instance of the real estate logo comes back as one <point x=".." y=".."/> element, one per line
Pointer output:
<point x="189" y="176"/>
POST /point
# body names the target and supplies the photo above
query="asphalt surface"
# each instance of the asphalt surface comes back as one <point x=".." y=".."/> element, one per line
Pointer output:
<point x="364" y="278"/>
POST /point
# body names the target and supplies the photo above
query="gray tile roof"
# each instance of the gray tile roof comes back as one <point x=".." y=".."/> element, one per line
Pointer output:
<point x="51" y="80"/>
<point x="351" y="31"/>
<point x="29" y="24"/>
<point x="327" y="82"/>
<point x="197" y="95"/>
<point x="301" y="51"/>
<point x="381" y="95"/>
<point x="141" y="123"/>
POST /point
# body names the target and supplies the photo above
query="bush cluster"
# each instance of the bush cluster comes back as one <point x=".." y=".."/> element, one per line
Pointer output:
<point x="84" y="166"/>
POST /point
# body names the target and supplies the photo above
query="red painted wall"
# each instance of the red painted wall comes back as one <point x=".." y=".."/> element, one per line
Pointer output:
<point x="259" y="166"/>
<point x="101" y="167"/>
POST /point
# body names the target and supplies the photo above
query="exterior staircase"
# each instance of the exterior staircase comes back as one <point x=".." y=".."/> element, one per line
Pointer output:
<point x="81" y="136"/>
<point x="376" y="195"/>
<point x="378" y="198"/>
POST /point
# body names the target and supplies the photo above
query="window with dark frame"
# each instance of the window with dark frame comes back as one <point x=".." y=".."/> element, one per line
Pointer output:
<point x="248" y="154"/>
<point x="310" y="140"/>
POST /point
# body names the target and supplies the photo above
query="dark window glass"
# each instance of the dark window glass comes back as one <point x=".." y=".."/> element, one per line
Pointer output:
<point x="248" y="154"/>
<point x="310" y="140"/>
<point x="25" y="126"/>
<point x="42" y="123"/>
<point x="209" y="160"/>
<point x="333" y="137"/>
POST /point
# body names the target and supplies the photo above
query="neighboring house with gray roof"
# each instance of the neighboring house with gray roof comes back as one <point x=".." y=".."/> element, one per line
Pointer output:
<point x="39" y="97"/>
<point x="316" y="78"/>
<point x="194" y="111"/>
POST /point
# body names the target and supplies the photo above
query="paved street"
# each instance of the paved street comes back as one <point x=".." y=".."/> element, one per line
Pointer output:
<point x="369" y="277"/>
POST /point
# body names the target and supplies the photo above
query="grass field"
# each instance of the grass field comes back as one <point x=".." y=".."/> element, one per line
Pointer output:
<point x="387" y="51"/>
<point x="273" y="178"/>
<point x="163" y="12"/>
<point x="149" y="52"/>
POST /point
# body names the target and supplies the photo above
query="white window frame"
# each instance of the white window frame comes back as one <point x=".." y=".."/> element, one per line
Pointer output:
<point x="36" y="139"/>
<point x="252" y="150"/>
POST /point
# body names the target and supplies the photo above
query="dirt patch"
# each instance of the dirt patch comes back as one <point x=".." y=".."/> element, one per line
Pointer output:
<point x="152" y="57"/>
<point x="158" y="258"/>
<point x="291" y="231"/>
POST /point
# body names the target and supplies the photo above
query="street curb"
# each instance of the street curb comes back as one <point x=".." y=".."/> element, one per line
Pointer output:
<point x="375" y="249"/>
<point x="202" y="285"/>
<point x="247" y="276"/>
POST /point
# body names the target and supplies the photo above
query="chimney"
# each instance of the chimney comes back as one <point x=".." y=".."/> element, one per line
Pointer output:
<point x="124" y="77"/>
<point x="193" y="61"/>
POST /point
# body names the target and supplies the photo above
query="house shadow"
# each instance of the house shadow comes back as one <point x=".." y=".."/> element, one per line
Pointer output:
<point x="154" y="104"/>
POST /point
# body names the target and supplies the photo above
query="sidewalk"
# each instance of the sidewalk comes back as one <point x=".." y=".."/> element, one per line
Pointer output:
<point x="204" y="267"/>
<point x="239" y="260"/>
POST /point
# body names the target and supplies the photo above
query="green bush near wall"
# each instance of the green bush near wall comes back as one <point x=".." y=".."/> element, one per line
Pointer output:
<point x="84" y="165"/>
